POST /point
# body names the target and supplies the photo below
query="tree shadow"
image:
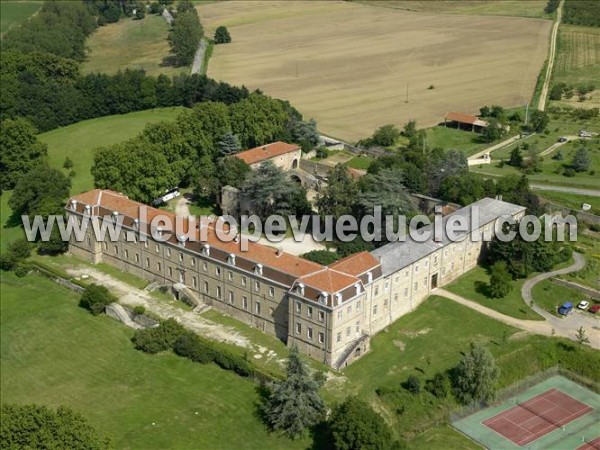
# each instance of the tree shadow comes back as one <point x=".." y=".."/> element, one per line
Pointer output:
<point x="322" y="437"/>
<point x="14" y="220"/>
<point x="169" y="61"/>
<point x="259" y="406"/>
<point x="482" y="288"/>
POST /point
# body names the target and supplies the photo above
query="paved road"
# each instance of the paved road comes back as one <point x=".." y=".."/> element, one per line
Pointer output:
<point x="551" y="57"/>
<point x="572" y="190"/>
<point x="552" y="325"/>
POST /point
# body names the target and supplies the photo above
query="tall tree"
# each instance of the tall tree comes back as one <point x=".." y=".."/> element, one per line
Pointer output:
<point x="42" y="191"/>
<point x="295" y="404"/>
<point x="354" y="425"/>
<point x="20" y="151"/>
<point x="476" y="376"/>
<point x="385" y="189"/>
<point x="516" y="159"/>
<point x="305" y="134"/>
<point x="232" y="172"/>
<point x="340" y="194"/>
<point x="462" y="189"/>
<point x="229" y="144"/>
<point x="581" y="160"/>
<point x="222" y="35"/>
<point x="499" y="280"/>
<point x="185" y="36"/>
<point x="539" y="121"/>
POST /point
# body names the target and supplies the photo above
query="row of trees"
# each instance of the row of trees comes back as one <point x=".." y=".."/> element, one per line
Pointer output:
<point x="186" y="33"/>
<point x="189" y="151"/>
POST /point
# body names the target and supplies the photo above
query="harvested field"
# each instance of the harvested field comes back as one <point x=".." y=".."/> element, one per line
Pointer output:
<point x="348" y="65"/>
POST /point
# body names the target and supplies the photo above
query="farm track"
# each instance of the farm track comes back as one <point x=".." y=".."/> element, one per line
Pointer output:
<point x="551" y="58"/>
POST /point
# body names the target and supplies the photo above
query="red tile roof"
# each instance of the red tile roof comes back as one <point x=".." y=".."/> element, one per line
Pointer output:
<point x="460" y="117"/>
<point x="356" y="264"/>
<point x="104" y="202"/>
<point x="268" y="151"/>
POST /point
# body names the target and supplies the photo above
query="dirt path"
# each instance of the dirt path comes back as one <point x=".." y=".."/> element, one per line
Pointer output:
<point x="497" y="146"/>
<point x="182" y="207"/>
<point x="199" y="57"/>
<point x="571" y="190"/>
<point x="551" y="58"/>
<point x="557" y="145"/>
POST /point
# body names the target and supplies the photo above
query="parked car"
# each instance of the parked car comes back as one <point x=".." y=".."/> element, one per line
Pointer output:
<point x="562" y="139"/>
<point x="583" y="304"/>
<point x="594" y="309"/>
<point x="585" y="134"/>
<point x="565" y="309"/>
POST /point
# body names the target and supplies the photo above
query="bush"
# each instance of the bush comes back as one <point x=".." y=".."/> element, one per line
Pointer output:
<point x="190" y="346"/>
<point x="139" y="310"/>
<point x="68" y="164"/>
<point x="160" y="338"/>
<point x="324" y="257"/>
<point x="22" y="269"/>
<point x="413" y="385"/>
<point x="229" y="361"/>
<point x="569" y="172"/>
<point x="439" y="385"/>
<point x="95" y="298"/>
<point x="222" y="35"/>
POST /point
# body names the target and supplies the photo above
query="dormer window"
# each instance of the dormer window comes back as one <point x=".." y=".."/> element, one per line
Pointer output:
<point x="88" y="209"/>
<point x="323" y="297"/>
<point x="300" y="288"/>
<point x="357" y="288"/>
<point x="338" y="298"/>
<point x="73" y="204"/>
<point x="369" y="277"/>
<point x="206" y="249"/>
<point x="258" y="269"/>
<point x="115" y="215"/>
<point x="231" y="259"/>
<point x="181" y="240"/>
<point x="136" y="223"/>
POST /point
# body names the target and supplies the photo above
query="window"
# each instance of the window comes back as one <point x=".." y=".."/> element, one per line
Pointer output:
<point x="348" y="331"/>
<point x="157" y="248"/>
<point x="339" y="337"/>
<point x="206" y="287"/>
<point x="357" y="326"/>
<point x="406" y="292"/>
<point x="407" y="274"/>
<point x="257" y="286"/>
<point x="218" y="291"/>
<point x="387" y="285"/>
<point x="321" y="316"/>
<point x="298" y="307"/>
<point x="257" y="307"/>
<point x="309" y="311"/>
<point x="435" y="259"/>
<point x="349" y="309"/>
<point x="169" y="252"/>
<point x="193" y="262"/>
<point x="427" y="263"/>
<point x="148" y="262"/>
<point x="375" y="310"/>
<point x="205" y="266"/>
<point x="395" y="297"/>
<point x="271" y="312"/>
<point x="244" y="281"/>
<point x="385" y="302"/>
<point x="245" y="302"/>
<point x="230" y="275"/>
<point x="271" y="292"/>
<point x="416" y="268"/>
<point x="170" y="271"/>
<point x="425" y="281"/>
<point x="218" y="271"/>
<point x="89" y="241"/>
<point x="339" y="315"/>
<point x="298" y="328"/>
<point x="126" y="254"/>
<point x="231" y="299"/>
<point x="137" y="257"/>
<point x="194" y="282"/>
<point x="180" y="257"/>
<point x="376" y="290"/>
<point x="358" y="305"/>
<point x="116" y="250"/>
<point x="309" y="333"/>
<point x="158" y="266"/>
<point x="416" y="286"/>
<point x="452" y="266"/>
<point x="145" y="244"/>
<point x="321" y="337"/>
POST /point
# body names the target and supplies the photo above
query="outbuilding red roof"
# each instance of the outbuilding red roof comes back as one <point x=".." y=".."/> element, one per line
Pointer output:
<point x="268" y="151"/>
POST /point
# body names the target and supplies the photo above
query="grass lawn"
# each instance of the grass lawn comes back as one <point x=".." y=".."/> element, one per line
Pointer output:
<point x="573" y="201"/>
<point x="360" y="162"/>
<point x="473" y="284"/>
<point x="55" y="353"/>
<point x="590" y="274"/>
<point x="12" y="13"/>
<point x="462" y="140"/>
<point x="9" y="230"/>
<point x="550" y="296"/>
<point x="78" y="141"/>
<point x="136" y="44"/>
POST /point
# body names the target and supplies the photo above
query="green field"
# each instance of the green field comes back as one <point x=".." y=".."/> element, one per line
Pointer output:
<point x="136" y="44"/>
<point x="473" y="284"/>
<point x="578" y="56"/>
<point x="516" y="8"/>
<point x="14" y="12"/>
<point x="450" y="138"/>
<point x="9" y="230"/>
<point x="550" y="296"/>
<point x="78" y="141"/>
<point x="55" y="353"/>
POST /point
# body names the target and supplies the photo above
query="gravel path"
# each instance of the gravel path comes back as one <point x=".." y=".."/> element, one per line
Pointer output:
<point x="199" y="57"/>
<point x="551" y="57"/>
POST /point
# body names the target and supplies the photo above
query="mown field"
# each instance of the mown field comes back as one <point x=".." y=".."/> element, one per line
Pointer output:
<point x="578" y="57"/>
<point x="516" y="8"/>
<point x="79" y="140"/>
<point x="55" y="353"/>
<point x="348" y="65"/>
<point x="14" y="12"/>
<point x="136" y="44"/>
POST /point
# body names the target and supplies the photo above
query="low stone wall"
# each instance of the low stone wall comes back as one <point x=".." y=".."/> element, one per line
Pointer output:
<point x="592" y="293"/>
<point x="581" y="215"/>
<point x="57" y="279"/>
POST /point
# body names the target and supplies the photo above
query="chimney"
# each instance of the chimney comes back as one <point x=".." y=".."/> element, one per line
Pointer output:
<point x="279" y="251"/>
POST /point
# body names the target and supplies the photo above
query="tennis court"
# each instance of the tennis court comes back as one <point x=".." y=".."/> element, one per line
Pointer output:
<point x="556" y="413"/>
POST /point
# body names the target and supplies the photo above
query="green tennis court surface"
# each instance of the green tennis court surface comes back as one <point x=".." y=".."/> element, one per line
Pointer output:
<point x="555" y="414"/>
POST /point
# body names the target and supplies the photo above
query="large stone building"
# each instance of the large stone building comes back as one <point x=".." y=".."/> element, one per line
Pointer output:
<point x="328" y="312"/>
<point x="283" y="155"/>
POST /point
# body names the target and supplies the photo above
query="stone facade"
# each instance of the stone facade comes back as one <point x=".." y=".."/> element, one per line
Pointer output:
<point x="329" y="313"/>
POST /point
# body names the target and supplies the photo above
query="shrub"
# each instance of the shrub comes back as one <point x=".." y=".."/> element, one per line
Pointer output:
<point x="413" y="385"/>
<point x="229" y="361"/>
<point x="160" y="338"/>
<point x="22" y="269"/>
<point x="439" y="385"/>
<point x="324" y="257"/>
<point x="68" y="164"/>
<point x="222" y="35"/>
<point x="190" y="346"/>
<point x="569" y="172"/>
<point x="95" y="298"/>
<point x="20" y="249"/>
<point x="139" y="310"/>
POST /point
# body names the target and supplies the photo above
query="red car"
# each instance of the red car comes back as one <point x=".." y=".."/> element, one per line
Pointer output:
<point x="594" y="309"/>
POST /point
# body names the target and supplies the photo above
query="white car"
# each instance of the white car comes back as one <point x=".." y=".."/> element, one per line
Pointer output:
<point x="583" y="304"/>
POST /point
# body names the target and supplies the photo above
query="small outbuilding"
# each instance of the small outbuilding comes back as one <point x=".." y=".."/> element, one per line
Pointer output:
<point x="464" y="121"/>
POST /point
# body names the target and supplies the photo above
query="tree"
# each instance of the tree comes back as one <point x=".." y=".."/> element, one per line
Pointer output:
<point x="20" y="151"/>
<point x="232" y="172"/>
<point x="340" y="194"/>
<point x="385" y="135"/>
<point x="185" y="36"/>
<point x="410" y="129"/>
<point x="140" y="11"/>
<point x="386" y="189"/>
<point x="440" y="165"/>
<point x="494" y="130"/>
<point x="413" y="384"/>
<point x="500" y="279"/>
<point x="95" y="298"/>
<point x="476" y="376"/>
<point x="581" y="336"/>
<point x="354" y="425"/>
<point x="516" y="159"/>
<point x="37" y="426"/>
<point x="229" y="144"/>
<point x="324" y="257"/>
<point x="439" y="385"/>
<point x="539" y="121"/>
<point x="581" y="160"/>
<point x="222" y="35"/>
<point x="463" y="189"/>
<point x="269" y="191"/>
<point x="42" y="191"/>
<point x="294" y="404"/>
<point x="305" y="133"/>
